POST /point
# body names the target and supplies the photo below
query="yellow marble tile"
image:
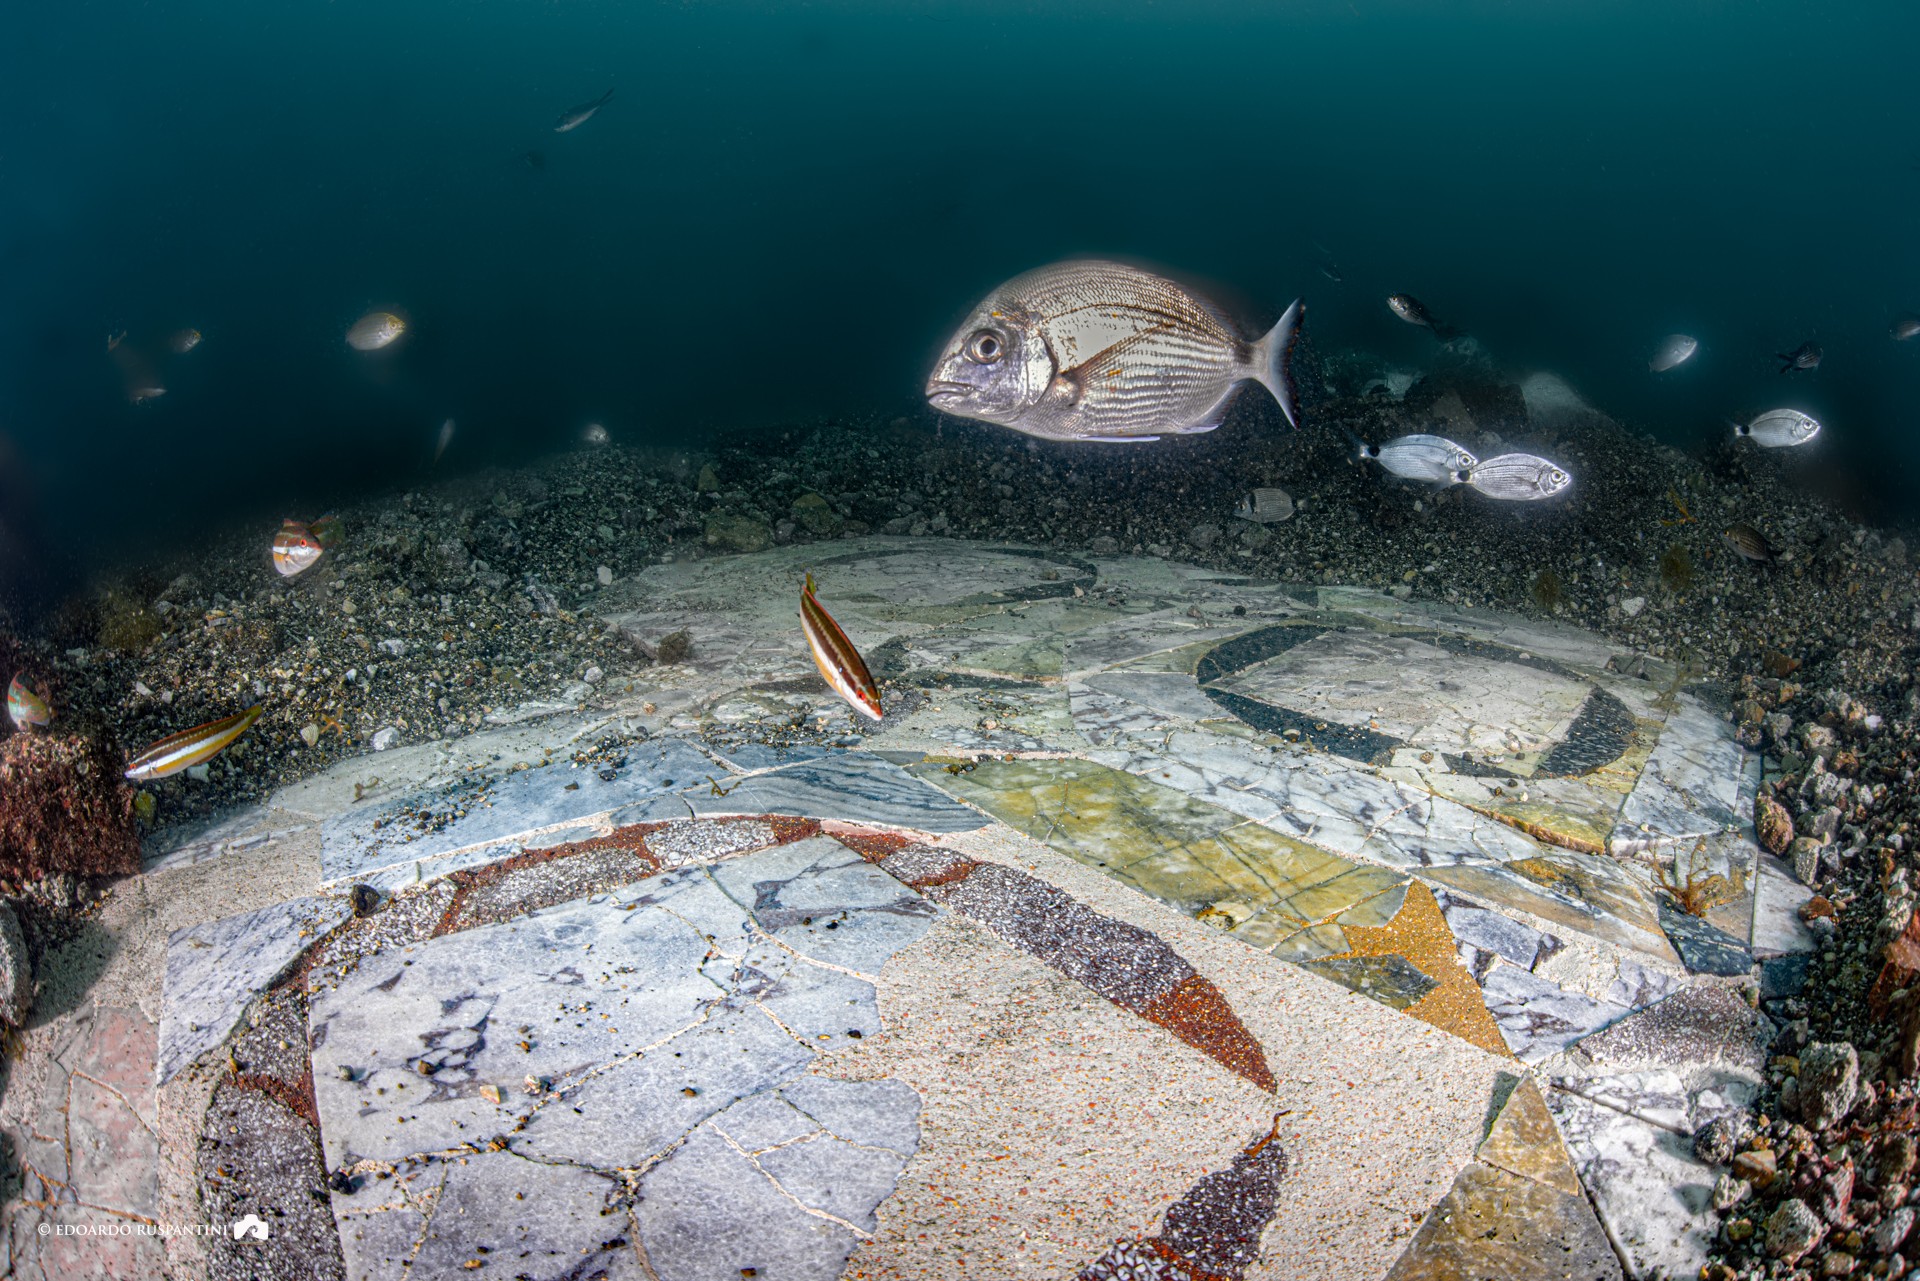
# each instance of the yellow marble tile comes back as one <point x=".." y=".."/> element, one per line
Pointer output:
<point x="1419" y="933"/>
<point x="1524" y="1140"/>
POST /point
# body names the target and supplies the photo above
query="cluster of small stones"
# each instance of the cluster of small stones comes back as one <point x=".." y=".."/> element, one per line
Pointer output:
<point x="1820" y="1183"/>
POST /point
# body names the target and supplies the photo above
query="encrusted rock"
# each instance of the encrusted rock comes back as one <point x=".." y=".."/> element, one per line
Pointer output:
<point x="1729" y="1192"/>
<point x="1894" y="1158"/>
<point x="736" y="533"/>
<point x="1829" y="1081"/>
<point x="1791" y="1230"/>
<point x="816" y="516"/>
<point x="1817" y="740"/>
<point x="64" y="808"/>
<point x="1715" y="1141"/>
<point x="1773" y="824"/>
<point x="16" y="970"/>
<point x="1204" y="536"/>
<point x="674" y="648"/>
<point x="1893" y="1230"/>
<point x="1757" y="1167"/>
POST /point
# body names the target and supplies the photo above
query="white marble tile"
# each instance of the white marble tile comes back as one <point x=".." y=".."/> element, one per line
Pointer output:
<point x="1697" y="782"/>
<point x="215" y="970"/>
<point x="1653" y="1196"/>
<point x="1326" y="801"/>
<point x="1778" y="898"/>
<point x="1419" y="693"/>
<point x="1539" y="1018"/>
<point x="1171" y="694"/>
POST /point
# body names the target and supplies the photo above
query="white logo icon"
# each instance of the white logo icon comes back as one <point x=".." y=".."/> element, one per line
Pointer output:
<point x="251" y="1225"/>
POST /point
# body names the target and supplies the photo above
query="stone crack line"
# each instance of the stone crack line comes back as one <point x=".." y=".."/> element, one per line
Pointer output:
<point x="759" y="934"/>
<point x="749" y="1158"/>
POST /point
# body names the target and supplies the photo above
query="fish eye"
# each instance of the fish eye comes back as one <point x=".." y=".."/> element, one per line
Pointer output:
<point x="985" y="347"/>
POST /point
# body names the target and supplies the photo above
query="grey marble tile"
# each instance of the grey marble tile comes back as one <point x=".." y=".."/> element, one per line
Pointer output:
<point x="855" y="787"/>
<point x="1487" y="930"/>
<point x="1171" y="694"/>
<point x="1637" y="986"/>
<point x="214" y="970"/>
<point x="1651" y="1193"/>
<point x="1326" y="801"/>
<point x="1538" y="1018"/>
<point x="548" y="1220"/>
<point x="660" y="1032"/>
<point x="474" y="813"/>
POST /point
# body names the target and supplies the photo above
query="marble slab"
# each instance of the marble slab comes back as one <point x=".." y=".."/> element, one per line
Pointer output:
<point x="665" y="1029"/>
<point x="215" y="970"/>
<point x="1778" y="897"/>
<point x="856" y="787"/>
<point x="1325" y="801"/>
<point x="1653" y="1196"/>
<point x="1698" y="781"/>
<point x="1539" y="1018"/>
<point x="473" y="813"/>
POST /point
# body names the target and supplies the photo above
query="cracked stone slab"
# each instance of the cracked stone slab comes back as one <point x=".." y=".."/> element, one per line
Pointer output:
<point x="1539" y="1018"/>
<point x="1697" y="782"/>
<point x="476" y="814"/>
<point x="215" y="970"/>
<point x="857" y="787"/>
<point x="558" y="1049"/>
<point x="1653" y="1196"/>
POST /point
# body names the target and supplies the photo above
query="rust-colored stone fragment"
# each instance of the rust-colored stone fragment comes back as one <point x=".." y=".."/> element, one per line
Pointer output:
<point x="867" y="843"/>
<point x="787" y="829"/>
<point x="470" y="884"/>
<point x="64" y="808"/>
<point x="1197" y="1012"/>
<point x="1901" y="968"/>
<point x="1772" y="824"/>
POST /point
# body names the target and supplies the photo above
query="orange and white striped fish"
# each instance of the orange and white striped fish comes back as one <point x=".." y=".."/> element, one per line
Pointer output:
<point x="191" y="747"/>
<point x="839" y="662"/>
<point x="25" y="707"/>
<point x="295" y="549"/>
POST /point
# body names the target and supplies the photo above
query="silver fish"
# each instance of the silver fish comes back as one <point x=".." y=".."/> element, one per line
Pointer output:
<point x="1780" y="428"/>
<point x="1905" y="327"/>
<point x="1091" y="350"/>
<point x="1429" y="458"/>
<point x="1265" y="506"/>
<point x="445" y="439"/>
<point x="1805" y="356"/>
<point x="1675" y="349"/>
<point x="595" y="434"/>
<point x="1414" y="312"/>
<point x="573" y="117"/>
<point x="1517" y="477"/>
<point x="375" y="330"/>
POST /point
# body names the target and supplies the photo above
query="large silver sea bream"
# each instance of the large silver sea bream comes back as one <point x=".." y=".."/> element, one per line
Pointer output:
<point x="1518" y="477"/>
<point x="1092" y="350"/>
<point x="1780" y="429"/>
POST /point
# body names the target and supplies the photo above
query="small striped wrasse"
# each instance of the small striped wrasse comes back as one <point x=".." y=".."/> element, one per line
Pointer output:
<point x="839" y="662"/>
<point x="24" y="707"/>
<point x="191" y="747"/>
<point x="295" y="549"/>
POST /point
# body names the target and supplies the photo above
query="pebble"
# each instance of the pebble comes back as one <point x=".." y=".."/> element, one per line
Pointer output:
<point x="593" y="676"/>
<point x="605" y="575"/>
<point x="1632" y="606"/>
<point x="385" y="738"/>
<point x="199" y="773"/>
<point x="310" y="734"/>
<point x="392" y="645"/>
<point x="1791" y="1230"/>
<point x="1892" y="1230"/>
<point x="1829" y="1081"/>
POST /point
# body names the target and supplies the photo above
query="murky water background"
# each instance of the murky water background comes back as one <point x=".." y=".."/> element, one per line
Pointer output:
<point x="783" y="210"/>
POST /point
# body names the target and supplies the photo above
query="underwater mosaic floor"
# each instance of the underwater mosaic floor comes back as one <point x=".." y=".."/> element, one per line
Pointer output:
<point x="1170" y="925"/>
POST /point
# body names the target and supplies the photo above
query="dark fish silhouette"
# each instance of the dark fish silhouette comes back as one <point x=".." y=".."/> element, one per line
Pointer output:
<point x="1414" y="312"/>
<point x="1805" y="356"/>
<point x="573" y="117"/>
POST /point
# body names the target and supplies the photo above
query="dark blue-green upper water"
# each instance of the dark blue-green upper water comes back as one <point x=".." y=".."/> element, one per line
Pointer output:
<point x="784" y="210"/>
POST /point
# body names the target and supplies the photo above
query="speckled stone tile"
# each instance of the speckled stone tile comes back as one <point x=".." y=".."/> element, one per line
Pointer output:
<point x="215" y="970"/>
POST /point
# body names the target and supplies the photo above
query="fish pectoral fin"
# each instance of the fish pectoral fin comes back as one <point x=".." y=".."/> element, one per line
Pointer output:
<point x="1078" y="378"/>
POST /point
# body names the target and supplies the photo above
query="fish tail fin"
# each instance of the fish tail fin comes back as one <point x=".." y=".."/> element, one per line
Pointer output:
<point x="808" y="590"/>
<point x="603" y="98"/>
<point x="1360" y="447"/>
<point x="1272" y="356"/>
<point x="1739" y="429"/>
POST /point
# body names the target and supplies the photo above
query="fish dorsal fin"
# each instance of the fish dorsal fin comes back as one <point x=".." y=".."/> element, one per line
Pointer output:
<point x="1078" y="378"/>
